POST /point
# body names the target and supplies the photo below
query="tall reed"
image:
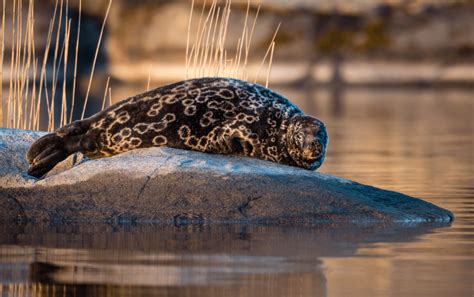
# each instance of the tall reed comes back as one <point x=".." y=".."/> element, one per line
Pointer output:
<point x="1" y="64"/>
<point x="209" y="55"/>
<point x="32" y="87"/>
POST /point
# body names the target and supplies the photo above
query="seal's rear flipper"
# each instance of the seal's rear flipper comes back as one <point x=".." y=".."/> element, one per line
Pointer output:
<point x="45" y="153"/>
<point x="54" y="147"/>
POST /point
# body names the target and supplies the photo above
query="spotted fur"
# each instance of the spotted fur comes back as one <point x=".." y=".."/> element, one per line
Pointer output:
<point x="212" y="115"/>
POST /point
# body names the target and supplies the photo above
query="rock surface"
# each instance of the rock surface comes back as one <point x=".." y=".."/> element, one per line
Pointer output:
<point x="176" y="186"/>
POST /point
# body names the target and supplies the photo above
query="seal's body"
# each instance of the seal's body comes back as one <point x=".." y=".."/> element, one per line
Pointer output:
<point x="212" y="115"/>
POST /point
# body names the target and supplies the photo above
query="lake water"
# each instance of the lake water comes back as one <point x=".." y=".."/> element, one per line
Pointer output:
<point x="419" y="142"/>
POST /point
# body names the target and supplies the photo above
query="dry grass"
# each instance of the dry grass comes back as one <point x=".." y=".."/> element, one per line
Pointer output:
<point x="29" y="89"/>
<point x="33" y="86"/>
<point x="209" y="54"/>
<point x="1" y="65"/>
<point x="75" y="61"/>
<point x="104" y="99"/>
<point x="21" y="109"/>
<point x="95" y="59"/>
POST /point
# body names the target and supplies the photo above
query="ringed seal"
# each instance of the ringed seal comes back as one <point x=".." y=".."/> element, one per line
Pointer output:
<point x="211" y="115"/>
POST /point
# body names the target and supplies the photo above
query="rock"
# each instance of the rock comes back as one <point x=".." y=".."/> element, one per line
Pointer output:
<point x="176" y="186"/>
<point x="13" y="146"/>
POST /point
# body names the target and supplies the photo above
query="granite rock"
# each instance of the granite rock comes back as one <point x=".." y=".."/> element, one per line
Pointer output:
<point x="167" y="185"/>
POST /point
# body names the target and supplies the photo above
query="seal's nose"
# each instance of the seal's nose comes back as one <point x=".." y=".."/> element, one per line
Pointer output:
<point x="319" y="149"/>
<point x="314" y="150"/>
<point x="322" y="136"/>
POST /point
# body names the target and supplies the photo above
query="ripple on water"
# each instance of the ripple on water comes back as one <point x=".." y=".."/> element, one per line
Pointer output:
<point x="419" y="143"/>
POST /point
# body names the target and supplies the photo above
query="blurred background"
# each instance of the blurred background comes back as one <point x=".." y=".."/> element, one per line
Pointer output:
<point x="324" y="44"/>
<point x="393" y="81"/>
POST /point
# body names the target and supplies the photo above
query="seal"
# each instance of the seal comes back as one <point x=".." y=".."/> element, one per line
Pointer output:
<point x="211" y="115"/>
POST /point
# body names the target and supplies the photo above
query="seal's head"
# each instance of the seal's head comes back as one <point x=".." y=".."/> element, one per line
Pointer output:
<point x="307" y="141"/>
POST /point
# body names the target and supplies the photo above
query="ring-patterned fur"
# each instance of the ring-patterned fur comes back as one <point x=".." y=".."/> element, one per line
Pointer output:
<point x="212" y="115"/>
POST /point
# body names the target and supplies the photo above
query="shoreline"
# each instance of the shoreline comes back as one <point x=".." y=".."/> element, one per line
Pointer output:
<point x="350" y="73"/>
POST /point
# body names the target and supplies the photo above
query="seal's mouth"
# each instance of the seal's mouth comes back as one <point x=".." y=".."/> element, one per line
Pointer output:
<point x="316" y="164"/>
<point x="314" y="155"/>
<point x="314" y="151"/>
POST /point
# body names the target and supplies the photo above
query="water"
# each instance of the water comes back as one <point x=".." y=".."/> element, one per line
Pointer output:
<point x="420" y="142"/>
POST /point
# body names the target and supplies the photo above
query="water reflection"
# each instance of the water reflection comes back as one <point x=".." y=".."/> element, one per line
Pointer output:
<point x="419" y="142"/>
<point x="242" y="260"/>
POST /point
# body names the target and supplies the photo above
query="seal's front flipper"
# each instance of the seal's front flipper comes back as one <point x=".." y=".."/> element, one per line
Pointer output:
<point x="52" y="148"/>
